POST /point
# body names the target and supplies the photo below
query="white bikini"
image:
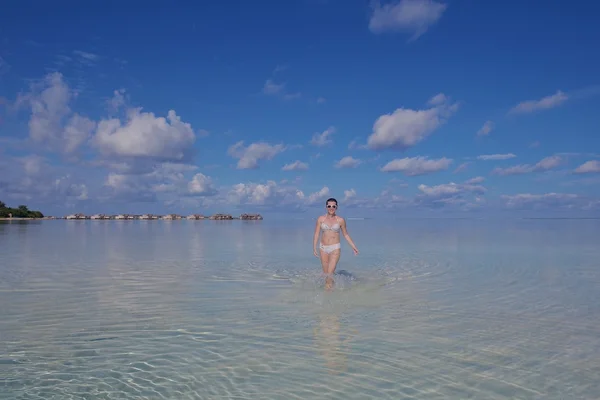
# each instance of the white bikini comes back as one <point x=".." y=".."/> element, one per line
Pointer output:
<point x="333" y="228"/>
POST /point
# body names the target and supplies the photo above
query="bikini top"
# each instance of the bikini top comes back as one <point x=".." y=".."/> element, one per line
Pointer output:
<point x="334" y="228"/>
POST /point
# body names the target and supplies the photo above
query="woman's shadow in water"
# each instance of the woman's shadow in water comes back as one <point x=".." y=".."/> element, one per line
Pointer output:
<point x="331" y="336"/>
<point x="332" y="342"/>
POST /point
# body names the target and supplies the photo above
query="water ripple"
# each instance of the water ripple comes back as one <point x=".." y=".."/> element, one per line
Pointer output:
<point x="164" y="311"/>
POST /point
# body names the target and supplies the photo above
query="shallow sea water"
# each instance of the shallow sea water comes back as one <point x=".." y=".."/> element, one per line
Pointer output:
<point x="430" y="309"/>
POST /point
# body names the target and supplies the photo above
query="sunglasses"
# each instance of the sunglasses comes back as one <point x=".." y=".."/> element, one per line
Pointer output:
<point x="331" y="206"/>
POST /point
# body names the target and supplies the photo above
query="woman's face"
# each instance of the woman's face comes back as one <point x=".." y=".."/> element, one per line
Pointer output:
<point x="331" y="207"/>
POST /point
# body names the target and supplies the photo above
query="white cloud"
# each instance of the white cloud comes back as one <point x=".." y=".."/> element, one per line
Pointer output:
<point x="398" y="182"/>
<point x="462" y="167"/>
<point x="516" y="170"/>
<point x="33" y="164"/>
<point x="486" y="129"/>
<point x="181" y="185"/>
<point x="349" y="194"/>
<point x="295" y="166"/>
<point x="405" y="128"/>
<point x="86" y="57"/>
<point x="412" y="16"/>
<point x="354" y="145"/>
<point x="33" y="178"/>
<point x="322" y="139"/>
<point x="145" y="135"/>
<point x="548" y="163"/>
<point x="272" y="88"/>
<point x="318" y="196"/>
<point x="292" y="96"/>
<point x="495" y="157"/>
<point x="592" y="166"/>
<point x="77" y="132"/>
<point x="269" y="195"/>
<point x="477" y="179"/>
<point x="540" y="201"/>
<point x="543" y="165"/>
<point x="250" y="156"/>
<point x="130" y="187"/>
<point x="544" y="103"/>
<point x="71" y="191"/>
<point x="117" y="101"/>
<point x="201" y="185"/>
<point x="263" y="194"/>
<point x="438" y="99"/>
<point x="142" y="135"/>
<point x="52" y="122"/>
<point x="465" y="196"/>
<point x="451" y="188"/>
<point x="414" y="166"/>
<point x="169" y="180"/>
<point x="117" y="181"/>
<point x="347" y="162"/>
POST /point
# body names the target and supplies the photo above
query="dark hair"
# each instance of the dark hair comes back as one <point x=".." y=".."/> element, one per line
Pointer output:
<point x="331" y="199"/>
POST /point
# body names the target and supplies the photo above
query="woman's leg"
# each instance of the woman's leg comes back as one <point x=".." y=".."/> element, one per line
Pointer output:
<point x="334" y="257"/>
<point x="324" y="261"/>
<point x="329" y="269"/>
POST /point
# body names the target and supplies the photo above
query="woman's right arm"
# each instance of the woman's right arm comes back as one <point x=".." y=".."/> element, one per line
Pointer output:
<point x="316" y="238"/>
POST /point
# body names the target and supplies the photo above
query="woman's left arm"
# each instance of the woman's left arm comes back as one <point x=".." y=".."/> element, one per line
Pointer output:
<point x="347" y="236"/>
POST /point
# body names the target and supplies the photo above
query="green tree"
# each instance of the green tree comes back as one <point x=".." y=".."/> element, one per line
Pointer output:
<point x="21" y="211"/>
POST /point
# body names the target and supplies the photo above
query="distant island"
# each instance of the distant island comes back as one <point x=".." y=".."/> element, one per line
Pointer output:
<point x="20" y="212"/>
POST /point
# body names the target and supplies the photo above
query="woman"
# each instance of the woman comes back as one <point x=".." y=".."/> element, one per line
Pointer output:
<point x="330" y="224"/>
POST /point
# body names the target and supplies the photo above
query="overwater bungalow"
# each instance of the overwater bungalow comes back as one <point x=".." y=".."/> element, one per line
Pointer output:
<point x="76" y="216"/>
<point x="251" y="216"/>
<point x="221" y="216"/>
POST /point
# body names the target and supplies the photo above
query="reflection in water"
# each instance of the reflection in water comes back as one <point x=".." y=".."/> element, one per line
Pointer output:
<point x="197" y="244"/>
<point x="332" y="341"/>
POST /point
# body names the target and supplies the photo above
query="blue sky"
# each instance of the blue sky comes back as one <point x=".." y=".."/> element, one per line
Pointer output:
<point x="412" y="107"/>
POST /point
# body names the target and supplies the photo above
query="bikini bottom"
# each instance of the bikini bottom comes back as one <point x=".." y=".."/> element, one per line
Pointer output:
<point x="328" y="248"/>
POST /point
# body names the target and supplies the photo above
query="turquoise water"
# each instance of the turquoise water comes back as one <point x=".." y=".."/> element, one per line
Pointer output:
<point x="430" y="309"/>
